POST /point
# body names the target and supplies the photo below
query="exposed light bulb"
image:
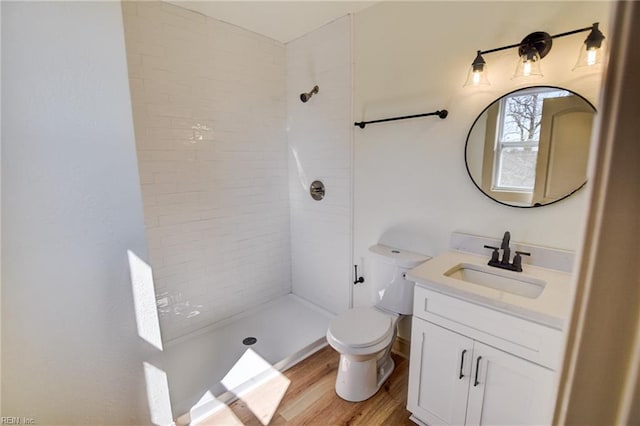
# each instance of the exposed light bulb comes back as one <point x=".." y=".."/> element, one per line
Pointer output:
<point x="477" y="75"/>
<point x="592" y="56"/>
<point x="526" y="69"/>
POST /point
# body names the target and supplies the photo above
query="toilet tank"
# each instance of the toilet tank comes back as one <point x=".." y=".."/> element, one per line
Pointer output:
<point x="392" y="292"/>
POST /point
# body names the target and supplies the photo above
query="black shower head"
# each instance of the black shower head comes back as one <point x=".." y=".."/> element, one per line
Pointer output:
<point x="304" y="97"/>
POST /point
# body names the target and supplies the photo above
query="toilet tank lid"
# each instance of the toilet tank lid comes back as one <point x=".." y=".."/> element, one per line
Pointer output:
<point x="399" y="257"/>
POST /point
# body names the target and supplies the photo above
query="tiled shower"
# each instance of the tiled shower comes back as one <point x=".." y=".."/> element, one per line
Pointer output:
<point x="226" y="152"/>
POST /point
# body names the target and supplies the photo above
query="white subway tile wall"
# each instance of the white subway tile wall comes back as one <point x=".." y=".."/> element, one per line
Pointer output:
<point x="319" y="134"/>
<point x="210" y="122"/>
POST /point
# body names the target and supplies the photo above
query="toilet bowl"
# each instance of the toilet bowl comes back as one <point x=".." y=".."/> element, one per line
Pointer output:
<point x="364" y="336"/>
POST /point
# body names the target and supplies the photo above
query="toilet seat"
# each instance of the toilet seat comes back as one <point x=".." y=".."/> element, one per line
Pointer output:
<point x="361" y="331"/>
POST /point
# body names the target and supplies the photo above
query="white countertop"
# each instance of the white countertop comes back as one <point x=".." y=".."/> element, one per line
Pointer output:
<point x="551" y="308"/>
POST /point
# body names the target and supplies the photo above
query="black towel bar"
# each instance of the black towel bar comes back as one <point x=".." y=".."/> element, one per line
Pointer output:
<point x="442" y="114"/>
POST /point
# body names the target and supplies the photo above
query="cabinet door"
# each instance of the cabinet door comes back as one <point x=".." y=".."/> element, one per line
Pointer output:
<point x="508" y="390"/>
<point x="439" y="374"/>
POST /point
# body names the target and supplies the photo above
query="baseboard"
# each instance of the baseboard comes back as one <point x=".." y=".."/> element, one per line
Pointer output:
<point x="417" y="421"/>
<point x="401" y="347"/>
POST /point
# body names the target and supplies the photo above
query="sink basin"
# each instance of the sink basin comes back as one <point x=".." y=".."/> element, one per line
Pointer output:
<point x="498" y="279"/>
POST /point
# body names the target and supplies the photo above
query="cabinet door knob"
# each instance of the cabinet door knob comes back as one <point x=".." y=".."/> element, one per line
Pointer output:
<point x="476" y="382"/>
<point x="462" y="363"/>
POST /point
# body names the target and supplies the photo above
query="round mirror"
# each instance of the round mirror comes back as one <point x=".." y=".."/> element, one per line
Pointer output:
<point x="530" y="147"/>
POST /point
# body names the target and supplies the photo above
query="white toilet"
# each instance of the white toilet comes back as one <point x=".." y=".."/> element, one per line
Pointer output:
<point x="364" y="336"/>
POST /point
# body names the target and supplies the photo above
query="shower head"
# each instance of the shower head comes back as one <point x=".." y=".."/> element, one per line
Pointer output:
<point x="304" y="97"/>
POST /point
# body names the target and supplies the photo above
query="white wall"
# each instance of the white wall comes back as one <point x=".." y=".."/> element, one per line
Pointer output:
<point x="209" y="111"/>
<point x="320" y="148"/>
<point x="411" y="186"/>
<point x="71" y="211"/>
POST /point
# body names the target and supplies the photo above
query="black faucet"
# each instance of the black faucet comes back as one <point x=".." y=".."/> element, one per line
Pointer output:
<point x="506" y="255"/>
<point x="506" y="251"/>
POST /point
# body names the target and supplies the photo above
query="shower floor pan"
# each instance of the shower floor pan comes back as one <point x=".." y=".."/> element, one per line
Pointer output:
<point x="207" y="369"/>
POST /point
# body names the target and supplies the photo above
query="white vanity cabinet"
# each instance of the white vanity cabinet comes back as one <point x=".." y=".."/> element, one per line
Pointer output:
<point x="509" y="390"/>
<point x="472" y="365"/>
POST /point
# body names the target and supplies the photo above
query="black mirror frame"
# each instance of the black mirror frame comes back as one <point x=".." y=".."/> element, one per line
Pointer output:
<point x="466" y="163"/>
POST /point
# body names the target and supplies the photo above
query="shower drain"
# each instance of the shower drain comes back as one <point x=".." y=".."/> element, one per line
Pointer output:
<point x="248" y="341"/>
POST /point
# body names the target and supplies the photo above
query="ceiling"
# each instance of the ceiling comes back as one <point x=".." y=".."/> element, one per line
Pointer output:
<point x="280" y="20"/>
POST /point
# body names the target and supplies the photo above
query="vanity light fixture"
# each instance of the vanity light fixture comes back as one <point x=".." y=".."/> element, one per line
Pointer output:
<point x="478" y="75"/>
<point x="532" y="49"/>
<point x="593" y="50"/>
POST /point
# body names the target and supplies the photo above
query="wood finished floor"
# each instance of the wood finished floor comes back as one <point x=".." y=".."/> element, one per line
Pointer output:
<point x="310" y="399"/>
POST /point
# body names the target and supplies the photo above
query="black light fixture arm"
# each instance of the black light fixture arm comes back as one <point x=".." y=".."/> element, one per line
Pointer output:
<point x="497" y="49"/>
<point x="440" y="113"/>
<point x="511" y="46"/>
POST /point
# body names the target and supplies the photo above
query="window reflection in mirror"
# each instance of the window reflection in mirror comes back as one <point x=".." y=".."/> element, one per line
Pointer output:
<point x="530" y="147"/>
